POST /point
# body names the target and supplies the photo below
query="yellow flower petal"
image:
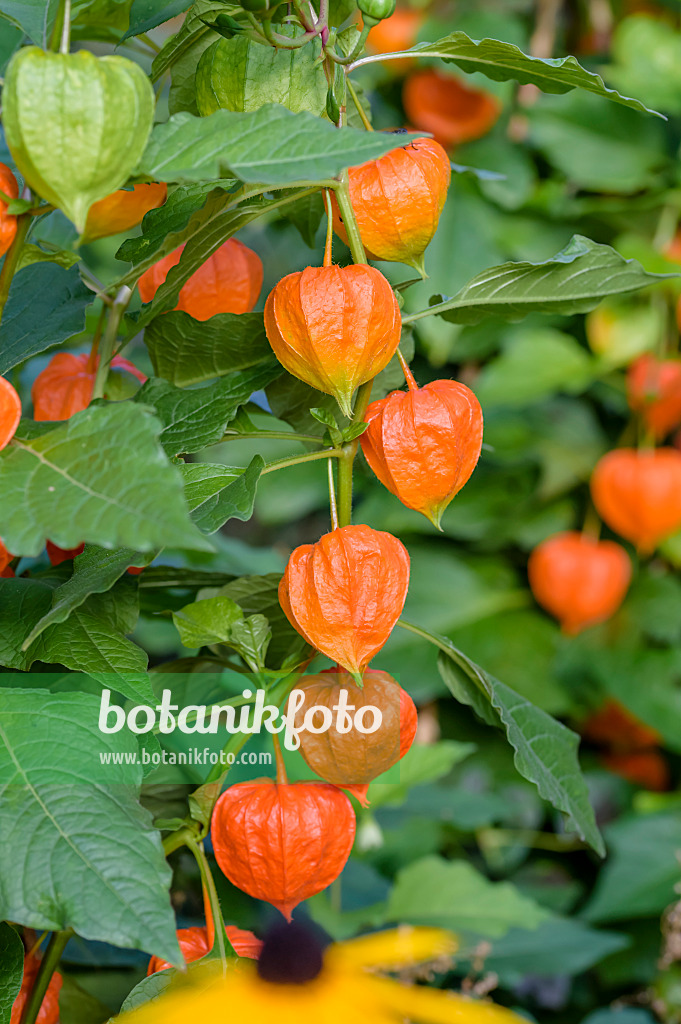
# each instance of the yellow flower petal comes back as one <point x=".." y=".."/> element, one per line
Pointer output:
<point x="332" y="998"/>
<point x="401" y="947"/>
<point x="438" y="1006"/>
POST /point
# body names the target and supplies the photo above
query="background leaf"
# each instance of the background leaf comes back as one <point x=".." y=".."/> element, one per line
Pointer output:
<point x="11" y="969"/>
<point x="77" y="852"/>
<point x="186" y="351"/>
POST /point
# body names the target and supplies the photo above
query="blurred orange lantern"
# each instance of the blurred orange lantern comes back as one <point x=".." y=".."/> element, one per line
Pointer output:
<point x="440" y="103"/>
<point x="614" y="726"/>
<point x="579" y="580"/>
<point x="398" y="32"/>
<point x="645" y="768"/>
<point x="638" y="494"/>
<point x="654" y="392"/>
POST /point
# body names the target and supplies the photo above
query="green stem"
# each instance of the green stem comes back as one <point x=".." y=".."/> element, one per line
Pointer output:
<point x="12" y="258"/>
<point x="349" y="220"/>
<point x="348" y="453"/>
<point x="221" y="944"/>
<point x="294" y="460"/>
<point x="65" y="40"/>
<point x="116" y="312"/>
<point x="48" y="965"/>
<point x="150" y="42"/>
<point x="275" y="435"/>
<point x="358" y="106"/>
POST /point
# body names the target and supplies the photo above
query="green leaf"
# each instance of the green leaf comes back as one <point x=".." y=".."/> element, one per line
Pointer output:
<point x="95" y="571"/>
<point x="166" y="223"/>
<point x="306" y="215"/>
<point x="187" y="351"/>
<point x="216" y="494"/>
<point x="148" y="989"/>
<point x="77" y="482"/>
<point x="46" y="305"/>
<point x="35" y="17"/>
<point x="76" y="1006"/>
<point x="146" y="14"/>
<point x="76" y="848"/>
<point x="574" y="281"/>
<point x="182" y="92"/>
<point x="502" y="61"/>
<point x="545" y="750"/>
<point x="251" y="638"/>
<point x="34" y="254"/>
<point x="419" y="765"/>
<point x="453" y="895"/>
<point x="558" y="946"/>
<point x="11" y="969"/>
<point x="194" y="419"/>
<point x="291" y="399"/>
<point x="266" y="146"/>
<point x="259" y="595"/>
<point x="89" y="640"/>
<point x="533" y="365"/>
<point x="242" y="75"/>
<point x="642" y="869"/>
<point x="177" y="47"/>
<point x="75" y="124"/>
<point x="646" y="60"/>
<point x="597" y="146"/>
<point x="207" y="622"/>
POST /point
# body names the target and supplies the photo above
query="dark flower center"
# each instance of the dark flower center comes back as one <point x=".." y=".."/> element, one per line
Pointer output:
<point x="292" y="953"/>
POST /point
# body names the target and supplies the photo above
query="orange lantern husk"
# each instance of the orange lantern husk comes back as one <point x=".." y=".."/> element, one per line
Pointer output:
<point x="440" y="103"/>
<point x="10" y="412"/>
<point x="645" y="768"/>
<point x="334" y="327"/>
<point x="65" y="386"/>
<point x="123" y="209"/>
<point x="397" y="201"/>
<point x="195" y="943"/>
<point x="613" y="725"/>
<point x="282" y="842"/>
<point x="49" y="1008"/>
<point x="342" y="754"/>
<point x="654" y="392"/>
<point x="398" y="32"/>
<point x="638" y="494"/>
<point x="8" y="221"/>
<point x="228" y="282"/>
<point x="423" y="444"/>
<point x="345" y="593"/>
<point x="579" y="580"/>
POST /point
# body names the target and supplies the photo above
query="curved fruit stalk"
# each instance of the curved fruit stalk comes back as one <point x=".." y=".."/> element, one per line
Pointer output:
<point x="440" y="103"/>
<point x="614" y="726"/>
<point x="351" y="757"/>
<point x="334" y="327"/>
<point x="195" y="944"/>
<point x="345" y="593"/>
<point x="282" y="842"/>
<point x="228" y="282"/>
<point x="46" y="95"/>
<point x="654" y="392"/>
<point x="240" y="74"/>
<point x="397" y="201"/>
<point x="65" y="386"/>
<point x="49" y="1009"/>
<point x="123" y="209"/>
<point x="579" y="580"/>
<point x="638" y="494"/>
<point x="423" y="444"/>
<point x="8" y="222"/>
<point x="10" y="412"/>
